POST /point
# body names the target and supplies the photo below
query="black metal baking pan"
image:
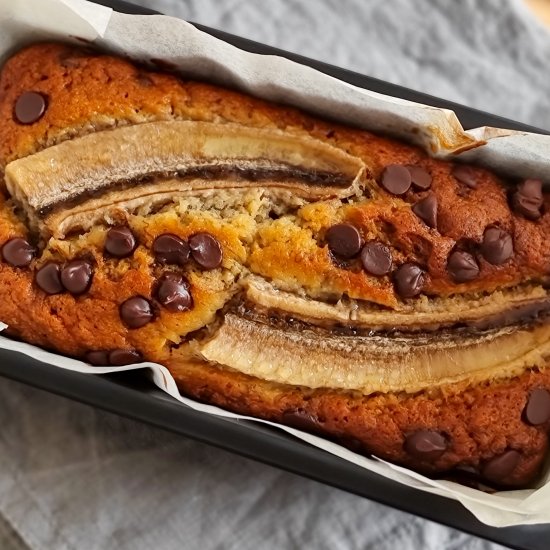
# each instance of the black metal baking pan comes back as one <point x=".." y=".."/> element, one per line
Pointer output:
<point x="133" y="396"/>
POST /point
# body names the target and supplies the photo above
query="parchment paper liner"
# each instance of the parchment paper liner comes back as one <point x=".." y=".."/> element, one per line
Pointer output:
<point x="201" y="56"/>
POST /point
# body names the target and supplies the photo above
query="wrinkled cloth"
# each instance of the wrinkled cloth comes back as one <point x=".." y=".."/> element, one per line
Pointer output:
<point x="72" y="477"/>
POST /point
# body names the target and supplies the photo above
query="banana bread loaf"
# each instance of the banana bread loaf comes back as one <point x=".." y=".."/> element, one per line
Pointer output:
<point x="279" y="265"/>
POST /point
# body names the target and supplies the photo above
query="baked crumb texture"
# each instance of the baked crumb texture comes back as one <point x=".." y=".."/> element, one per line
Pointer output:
<point x="279" y="265"/>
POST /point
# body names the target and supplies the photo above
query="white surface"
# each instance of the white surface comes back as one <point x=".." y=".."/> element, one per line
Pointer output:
<point x="54" y="450"/>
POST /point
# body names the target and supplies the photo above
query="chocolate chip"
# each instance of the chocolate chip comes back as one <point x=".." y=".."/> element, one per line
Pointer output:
<point x="206" y="250"/>
<point x="466" y="175"/>
<point x="48" y="278"/>
<point x="18" y="252"/>
<point x="501" y="466"/>
<point x="121" y="357"/>
<point x="136" y="312"/>
<point x="537" y="410"/>
<point x="497" y="246"/>
<point x="170" y="249"/>
<point x="301" y="420"/>
<point x="77" y="276"/>
<point x="376" y="258"/>
<point x="409" y="280"/>
<point x="173" y="293"/>
<point x="396" y="179"/>
<point x="420" y="177"/>
<point x="120" y="242"/>
<point x="528" y="199"/>
<point x="97" y="358"/>
<point x="426" y="210"/>
<point x="343" y="240"/>
<point x="425" y="444"/>
<point x="462" y="266"/>
<point x="29" y="107"/>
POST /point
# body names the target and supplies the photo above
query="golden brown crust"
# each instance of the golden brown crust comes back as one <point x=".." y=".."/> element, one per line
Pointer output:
<point x="481" y="422"/>
<point x="88" y="92"/>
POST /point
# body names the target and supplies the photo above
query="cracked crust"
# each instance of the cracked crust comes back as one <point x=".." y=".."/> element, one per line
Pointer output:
<point x="279" y="237"/>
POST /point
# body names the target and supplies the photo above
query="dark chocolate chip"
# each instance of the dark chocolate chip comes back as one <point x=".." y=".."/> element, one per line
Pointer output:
<point x="425" y="444"/>
<point x="121" y="357"/>
<point x="537" y="410"/>
<point x="48" y="278"/>
<point x="420" y="177"/>
<point x="97" y="358"/>
<point x="396" y="179"/>
<point x="170" y="249"/>
<point x="376" y="258"/>
<point x="528" y="199"/>
<point x="409" y="280"/>
<point x="301" y="421"/>
<point x="497" y="246"/>
<point x="77" y="276"/>
<point x="120" y="242"/>
<point x="426" y="210"/>
<point x="466" y="175"/>
<point x="18" y="252"/>
<point x="29" y="107"/>
<point x="173" y="293"/>
<point x="343" y="240"/>
<point x="462" y="266"/>
<point x="206" y="250"/>
<point x="136" y="312"/>
<point x="501" y="466"/>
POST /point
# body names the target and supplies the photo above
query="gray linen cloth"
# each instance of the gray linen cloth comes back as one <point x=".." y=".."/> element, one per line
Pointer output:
<point x="72" y="477"/>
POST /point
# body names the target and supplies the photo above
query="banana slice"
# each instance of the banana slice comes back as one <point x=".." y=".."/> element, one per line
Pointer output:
<point x="371" y="364"/>
<point x="161" y="158"/>
<point x="501" y="308"/>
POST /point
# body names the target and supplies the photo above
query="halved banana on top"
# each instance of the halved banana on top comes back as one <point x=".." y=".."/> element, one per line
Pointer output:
<point x="318" y="359"/>
<point x="72" y="183"/>
<point x="509" y="306"/>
